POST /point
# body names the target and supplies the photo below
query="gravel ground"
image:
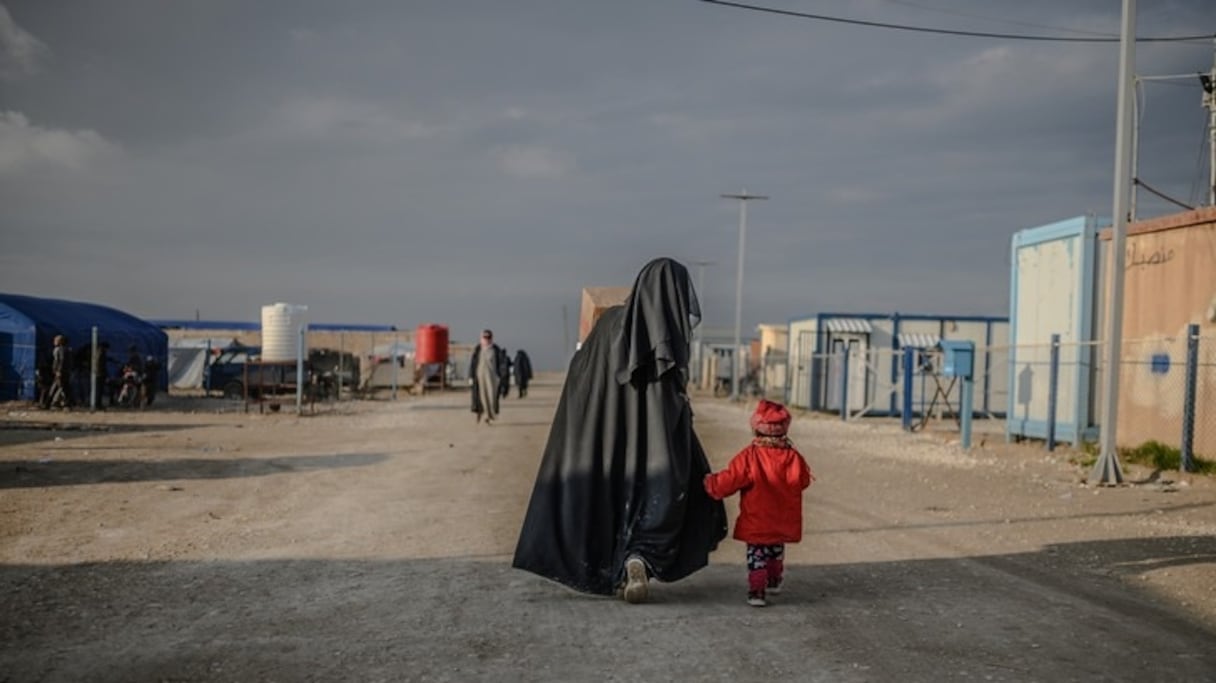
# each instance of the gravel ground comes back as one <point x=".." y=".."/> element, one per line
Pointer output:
<point x="371" y="541"/>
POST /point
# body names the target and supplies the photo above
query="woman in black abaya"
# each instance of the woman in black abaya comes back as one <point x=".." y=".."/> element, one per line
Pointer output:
<point x="619" y="496"/>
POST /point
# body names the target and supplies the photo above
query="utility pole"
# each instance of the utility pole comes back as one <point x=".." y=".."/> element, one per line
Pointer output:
<point x="1106" y="470"/>
<point x="1208" y="81"/>
<point x="743" y="198"/>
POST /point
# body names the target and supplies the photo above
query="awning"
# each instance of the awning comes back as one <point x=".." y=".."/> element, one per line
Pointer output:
<point x="849" y="325"/>
<point x="917" y="340"/>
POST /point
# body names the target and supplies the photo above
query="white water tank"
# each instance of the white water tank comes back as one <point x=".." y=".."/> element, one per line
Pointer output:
<point x="281" y="325"/>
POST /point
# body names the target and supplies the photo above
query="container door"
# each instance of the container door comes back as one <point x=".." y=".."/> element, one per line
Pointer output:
<point x="858" y="375"/>
<point x="802" y="365"/>
<point x="835" y="365"/>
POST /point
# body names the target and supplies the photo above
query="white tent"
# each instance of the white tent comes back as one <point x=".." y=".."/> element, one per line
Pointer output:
<point x="188" y="361"/>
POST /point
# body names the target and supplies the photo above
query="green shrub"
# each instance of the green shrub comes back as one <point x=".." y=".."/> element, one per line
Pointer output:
<point x="1163" y="457"/>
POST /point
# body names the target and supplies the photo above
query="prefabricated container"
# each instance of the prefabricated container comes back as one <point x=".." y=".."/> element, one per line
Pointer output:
<point x="874" y="344"/>
<point x="1054" y="289"/>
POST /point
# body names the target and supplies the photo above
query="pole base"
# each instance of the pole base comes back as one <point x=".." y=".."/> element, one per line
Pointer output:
<point x="1106" y="471"/>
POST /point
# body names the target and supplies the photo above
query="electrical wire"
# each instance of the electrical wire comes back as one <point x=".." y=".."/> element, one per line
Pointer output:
<point x="1177" y="85"/>
<point x="1010" y="22"/>
<point x="949" y="32"/>
<point x="1166" y="197"/>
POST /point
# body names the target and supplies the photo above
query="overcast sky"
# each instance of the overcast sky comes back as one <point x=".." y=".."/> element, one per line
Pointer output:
<point x="476" y="162"/>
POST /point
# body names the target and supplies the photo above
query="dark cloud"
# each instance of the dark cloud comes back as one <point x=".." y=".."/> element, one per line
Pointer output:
<point x="478" y="163"/>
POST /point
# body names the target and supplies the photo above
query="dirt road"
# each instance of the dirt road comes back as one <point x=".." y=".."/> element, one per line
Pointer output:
<point x="371" y="542"/>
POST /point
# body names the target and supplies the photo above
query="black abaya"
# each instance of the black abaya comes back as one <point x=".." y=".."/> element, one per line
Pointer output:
<point x="622" y="471"/>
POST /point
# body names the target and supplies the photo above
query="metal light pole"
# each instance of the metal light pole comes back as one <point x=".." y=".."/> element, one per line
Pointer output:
<point x="1208" y="81"/>
<point x="1107" y="470"/>
<point x="743" y="198"/>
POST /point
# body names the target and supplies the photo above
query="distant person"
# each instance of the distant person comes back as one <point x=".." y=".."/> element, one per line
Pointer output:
<point x="61" y="374"/>
<point x="619" y="497"/>
<point x="101" y="374"/>
<point x="504" y="373"/>
<point x="134" y="360"/>
<point x="151" y="379"/>
<point x="771" y="474"/>
<point x="523" y="372"/>
<point x="483" y="377"/>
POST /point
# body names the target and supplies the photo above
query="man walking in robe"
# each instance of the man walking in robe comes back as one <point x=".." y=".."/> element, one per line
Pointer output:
<point x="483" y="375"/>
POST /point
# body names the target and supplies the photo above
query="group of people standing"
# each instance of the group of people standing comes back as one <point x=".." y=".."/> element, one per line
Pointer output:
<point x="490" y="371"/>
<point x="71" y="377"/>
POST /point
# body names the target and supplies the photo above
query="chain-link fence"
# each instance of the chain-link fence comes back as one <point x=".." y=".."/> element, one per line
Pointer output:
<point x="1203" y="406"/>
<point x="867" y="382"/>
<point x="1167" y="392"/>
<point x="1152" y="390"/>
<point x="1050" y="391"/>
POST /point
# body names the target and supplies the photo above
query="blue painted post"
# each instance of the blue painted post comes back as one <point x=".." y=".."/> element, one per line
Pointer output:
<point x="1188" y="403"/>
<point x="1053" y="379"/>
<point x="966" y="402"/>
<point x="906" y="411"/>
<point x="844" y="386"/>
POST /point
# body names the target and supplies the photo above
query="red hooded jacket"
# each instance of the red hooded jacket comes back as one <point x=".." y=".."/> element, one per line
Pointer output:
<point x="771" y="474"/>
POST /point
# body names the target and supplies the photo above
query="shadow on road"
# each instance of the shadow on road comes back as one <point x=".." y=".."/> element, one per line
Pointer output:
<point x="1074" y="611"/>
<point x="36" y="473"/>
<point x="22" y="433"/>
<point x="997" y="522"/>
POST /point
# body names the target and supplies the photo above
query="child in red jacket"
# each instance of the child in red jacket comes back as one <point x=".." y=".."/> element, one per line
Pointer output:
<point x="771" y="474"/>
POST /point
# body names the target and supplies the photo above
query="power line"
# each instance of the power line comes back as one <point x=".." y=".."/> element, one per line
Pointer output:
<point x="1159" y="193"/>
<point x="1011" y="22"/>
<point x="950" y="32"/>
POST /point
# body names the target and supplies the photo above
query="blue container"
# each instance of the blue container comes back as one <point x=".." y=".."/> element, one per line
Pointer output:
<point x="1054" y="289"/>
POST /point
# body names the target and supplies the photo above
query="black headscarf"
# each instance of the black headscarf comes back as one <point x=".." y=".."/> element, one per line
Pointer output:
<point x="659" y="318"/>
<point x="622" y="471"/>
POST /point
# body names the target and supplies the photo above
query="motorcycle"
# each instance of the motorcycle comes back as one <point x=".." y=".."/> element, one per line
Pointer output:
<point x="130" y="391"/>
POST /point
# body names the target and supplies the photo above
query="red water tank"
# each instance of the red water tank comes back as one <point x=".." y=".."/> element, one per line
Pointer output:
<point x="431" y="344"/>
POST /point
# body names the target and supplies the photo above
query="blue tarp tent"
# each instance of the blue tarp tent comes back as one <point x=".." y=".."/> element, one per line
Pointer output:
<point x="29" y="324"/>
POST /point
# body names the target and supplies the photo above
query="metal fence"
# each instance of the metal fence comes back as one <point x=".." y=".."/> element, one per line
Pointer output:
<point x="870" y="383"/>
<point x="1167" y="393"/>
<point x="1050" y="391"/>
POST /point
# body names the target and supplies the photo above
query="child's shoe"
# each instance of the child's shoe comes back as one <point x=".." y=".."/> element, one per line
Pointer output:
<point x="775" y="584"/>
<point x="756" y="599"/>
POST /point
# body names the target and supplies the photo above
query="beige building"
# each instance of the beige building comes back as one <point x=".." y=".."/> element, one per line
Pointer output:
<point x="1170" y="283"/>
<point x="595" y="301"/>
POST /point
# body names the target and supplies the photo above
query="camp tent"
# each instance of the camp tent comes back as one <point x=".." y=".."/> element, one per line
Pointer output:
<point x="29" y="324"/>
<point x="188" y="360"/>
